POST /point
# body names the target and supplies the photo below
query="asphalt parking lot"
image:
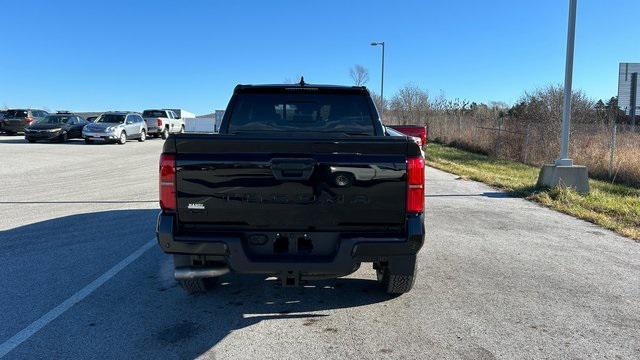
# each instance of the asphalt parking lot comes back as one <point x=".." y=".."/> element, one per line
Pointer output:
<point x="498" y="277"/>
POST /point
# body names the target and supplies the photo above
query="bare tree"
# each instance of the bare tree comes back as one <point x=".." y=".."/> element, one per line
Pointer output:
<point x="359" y="74"/>
<point x="377" y="100"/>
<point x="410" y="105"/>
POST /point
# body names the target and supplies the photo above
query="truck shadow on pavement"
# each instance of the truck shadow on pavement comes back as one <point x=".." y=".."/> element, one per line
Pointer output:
<point x="196" y="324"/>
<point x="142" y="311"/>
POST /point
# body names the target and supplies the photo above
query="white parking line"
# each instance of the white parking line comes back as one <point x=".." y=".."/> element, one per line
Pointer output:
<point x="35" y="326"/>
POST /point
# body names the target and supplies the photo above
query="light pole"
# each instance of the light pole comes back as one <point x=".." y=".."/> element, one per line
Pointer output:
<point x="381" y="43"/>
<point x="563" y="173"/>
<point x="564" y="159"/>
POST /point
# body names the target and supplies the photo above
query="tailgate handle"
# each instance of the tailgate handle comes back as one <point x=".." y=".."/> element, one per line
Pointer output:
<point x="292" y="169"/>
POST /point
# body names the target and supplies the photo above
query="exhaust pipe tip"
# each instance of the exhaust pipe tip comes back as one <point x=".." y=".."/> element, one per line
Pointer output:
<point x="189" y="273"/>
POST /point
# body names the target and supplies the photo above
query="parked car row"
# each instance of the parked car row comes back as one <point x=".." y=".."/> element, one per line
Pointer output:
<point x="113" y="126"/>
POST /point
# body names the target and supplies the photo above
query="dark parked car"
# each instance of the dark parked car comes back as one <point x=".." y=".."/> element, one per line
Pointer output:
<point x="56" y="127"/>
<point x="303" y="182"/>
<point x="16" y="120"/>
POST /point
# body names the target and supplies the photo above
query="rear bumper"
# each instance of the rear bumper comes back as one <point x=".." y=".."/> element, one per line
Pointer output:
<point x="42" y="135"/>
<point x="349" y="254"/>
<point x="11" y="126"/>
<point x="153" y="128"/>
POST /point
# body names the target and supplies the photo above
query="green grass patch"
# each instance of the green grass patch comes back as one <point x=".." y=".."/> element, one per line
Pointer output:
<point x="612" y="206"/>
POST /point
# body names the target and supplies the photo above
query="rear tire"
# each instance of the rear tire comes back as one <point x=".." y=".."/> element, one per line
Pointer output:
<point x="395" y="282"/>
<point x="165" y="133"/>
<point x="398" y="284"/>
<point x="31" y="140"/>
<point x="87" y="141"/>
<point x="143" y="136"/>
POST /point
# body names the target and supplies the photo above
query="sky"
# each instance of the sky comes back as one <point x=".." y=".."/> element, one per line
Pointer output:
<point x="132" y="55"/>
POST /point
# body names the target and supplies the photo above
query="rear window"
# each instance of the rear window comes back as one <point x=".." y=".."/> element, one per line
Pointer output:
<point x="17" y="113"/>
<point x="324" y="113"/>
<point x="154" y="113"/>
<point x="110" y="118"/>
<point x="56" y="119"/>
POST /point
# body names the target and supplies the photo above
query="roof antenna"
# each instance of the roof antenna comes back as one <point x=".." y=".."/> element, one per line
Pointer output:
<point x="302" y="83"/>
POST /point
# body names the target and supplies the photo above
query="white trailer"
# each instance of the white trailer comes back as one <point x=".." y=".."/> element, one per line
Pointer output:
<point x="183" y="114"/>
<point x="200" y="125"/>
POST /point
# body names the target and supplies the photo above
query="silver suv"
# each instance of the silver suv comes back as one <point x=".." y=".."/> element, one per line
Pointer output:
<point x="116" y="126"/>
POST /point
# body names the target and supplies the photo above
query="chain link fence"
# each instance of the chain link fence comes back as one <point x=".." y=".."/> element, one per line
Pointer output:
<point x="610" y="151"/>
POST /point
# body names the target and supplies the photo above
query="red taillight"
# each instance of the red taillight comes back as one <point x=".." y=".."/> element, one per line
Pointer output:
<point x="159" y="122"/>
<point x="415" y="183"/>
<point x="28" y="120"/>
<point x="168" y="182"/>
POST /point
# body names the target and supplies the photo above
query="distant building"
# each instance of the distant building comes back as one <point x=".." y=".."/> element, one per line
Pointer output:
<point x="87" y="114"/>
<point x="629" y="88"/>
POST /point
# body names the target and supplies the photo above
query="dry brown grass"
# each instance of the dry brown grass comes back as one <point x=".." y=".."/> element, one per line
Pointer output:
<point x="612" y="206"/>
<point x="536" y="144"/>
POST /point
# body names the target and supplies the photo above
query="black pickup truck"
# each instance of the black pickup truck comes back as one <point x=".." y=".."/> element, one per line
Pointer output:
<point x="302" y="182"/>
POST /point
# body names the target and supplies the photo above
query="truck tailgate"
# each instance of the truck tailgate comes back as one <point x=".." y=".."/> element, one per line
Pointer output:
<point x="243" y="183"/>
<point x="152" y="123"/>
